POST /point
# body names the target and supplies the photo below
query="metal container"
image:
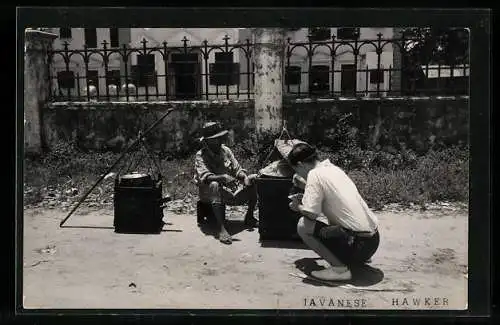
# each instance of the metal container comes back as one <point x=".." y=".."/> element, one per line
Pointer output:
<point x="276" y="220"/>
<point x="277" y="169"/>
<point x="136" y="179"/>
<point x="137" y="205"/>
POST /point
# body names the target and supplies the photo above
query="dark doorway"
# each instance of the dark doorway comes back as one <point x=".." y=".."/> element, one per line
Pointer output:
<point x="319" y="80"/>
<point x="185" y="72"/>
<point x="348" y="80"/>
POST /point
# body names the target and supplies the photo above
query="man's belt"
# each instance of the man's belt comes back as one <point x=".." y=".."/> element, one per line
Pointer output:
<point x="326" y="232"/>
<point x="365" y="234"/>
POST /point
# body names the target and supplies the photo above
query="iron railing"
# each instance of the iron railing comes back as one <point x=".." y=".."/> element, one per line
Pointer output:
<point x="185" y="72"/>
<point x="326" y="69"/>
<point x="403" y="76"/>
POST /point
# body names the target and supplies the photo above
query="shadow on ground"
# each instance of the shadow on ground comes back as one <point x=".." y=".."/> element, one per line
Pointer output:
<point x="164" y="229"/>
<point x="233" y="227"/>
<point x="362" y="276"/>
<point x="88" y="227"/>
<point x="285" y="244"/>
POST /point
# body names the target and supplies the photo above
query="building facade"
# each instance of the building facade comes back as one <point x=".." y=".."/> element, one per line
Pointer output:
<point x="341" y="73"/>
<point x="72" y="75"/>
<point x="193" y="69"/>
<point x="189" y="70"/>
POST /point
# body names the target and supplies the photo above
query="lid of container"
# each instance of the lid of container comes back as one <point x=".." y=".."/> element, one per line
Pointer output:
<point x="134" y="176"/>
<point x="278" y="168"/>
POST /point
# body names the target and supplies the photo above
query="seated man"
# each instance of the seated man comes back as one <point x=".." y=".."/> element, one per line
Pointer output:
<point x="350" y="234"/>
<point x="217" y="176"/>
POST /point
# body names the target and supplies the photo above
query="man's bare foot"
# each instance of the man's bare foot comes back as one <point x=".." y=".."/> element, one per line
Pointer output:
<point x="225" y="238"/>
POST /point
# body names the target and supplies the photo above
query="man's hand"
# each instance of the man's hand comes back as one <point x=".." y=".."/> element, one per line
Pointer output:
<point x="227" y="179"/>
<point x="294" y="206"/>
<point x="299" y="181"/>
<point x="248" y="180"/>
<point x="296" y="200"/>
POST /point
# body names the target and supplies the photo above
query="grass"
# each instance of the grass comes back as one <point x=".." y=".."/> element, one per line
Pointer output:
<point x="382" y="177"/>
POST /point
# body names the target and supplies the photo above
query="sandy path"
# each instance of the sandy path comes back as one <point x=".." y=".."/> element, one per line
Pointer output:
<point x="422" y="255"/>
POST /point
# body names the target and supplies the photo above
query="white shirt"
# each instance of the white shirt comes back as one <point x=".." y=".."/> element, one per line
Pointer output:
<point x="330" y="192"/>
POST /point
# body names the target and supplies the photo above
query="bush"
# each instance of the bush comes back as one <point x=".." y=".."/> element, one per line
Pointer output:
<point x="383" y="177"/>
<point x="437" y="176"/>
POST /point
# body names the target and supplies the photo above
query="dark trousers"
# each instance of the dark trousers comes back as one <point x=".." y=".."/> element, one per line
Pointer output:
<point x="350" y="248"/>
<point x="218" y="194"/>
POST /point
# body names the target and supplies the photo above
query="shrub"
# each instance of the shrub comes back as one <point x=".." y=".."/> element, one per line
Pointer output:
<point x="382" y="177"/>
<point x="437" y="176"/>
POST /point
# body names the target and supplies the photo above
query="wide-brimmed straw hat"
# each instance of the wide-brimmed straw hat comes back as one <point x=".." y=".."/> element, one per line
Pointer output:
<point x="212" y="130"/>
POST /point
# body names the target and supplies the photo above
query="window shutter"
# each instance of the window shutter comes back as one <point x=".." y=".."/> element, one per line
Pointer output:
<point x="135" y="75"/>
<point x="91" y="37"/>
<point x="319" y="79"/>
<point x="212" y="76"/>
<point x="113" y="77"/>
<point x="146" y="70"/>
<point x="65" y="32"/>
<point x="92" y="75"/>
<point x="376" y="76"/>
<point x="66" y="79"/>
<point x="219" y="73"/>
<point x="320" y="34"/>
<point x="113" y="37"/>
<point x="293" y="75"/>
<point x="224" y="72"/>
<point x="235" y="74"/>
<point x="348" y="33"/>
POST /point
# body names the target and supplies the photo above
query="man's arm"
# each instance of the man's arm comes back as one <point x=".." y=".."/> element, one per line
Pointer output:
<point x="203" y="174"/>
<point x="299" y="181"/>
<point x="312" y="200"/>
<point x="236" y="170"/>
<point x="213" y="178"/>
<point x="308" y="214"/>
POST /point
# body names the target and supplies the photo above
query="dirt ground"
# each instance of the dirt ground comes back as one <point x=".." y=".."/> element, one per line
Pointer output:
<point x="421" y="264"/>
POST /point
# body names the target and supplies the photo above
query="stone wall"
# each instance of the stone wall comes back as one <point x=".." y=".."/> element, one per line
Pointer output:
<point x="111" y="126"/>
<point x="418" y="123"/>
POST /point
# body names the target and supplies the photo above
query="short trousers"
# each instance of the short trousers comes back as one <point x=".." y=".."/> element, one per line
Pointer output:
<point x="349" y="248"/>
<point x="220" y="194"/>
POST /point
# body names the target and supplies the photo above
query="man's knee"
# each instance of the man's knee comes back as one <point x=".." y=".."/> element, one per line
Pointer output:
<point x="305" y="227"/>
<point x="215" y="195"/>
<point x="214" y="186"/>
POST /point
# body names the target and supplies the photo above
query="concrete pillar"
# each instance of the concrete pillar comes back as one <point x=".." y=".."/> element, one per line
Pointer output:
<point x="268" y="58"/>
<point x="36" y="86"/>
<point x="397" y="62"/>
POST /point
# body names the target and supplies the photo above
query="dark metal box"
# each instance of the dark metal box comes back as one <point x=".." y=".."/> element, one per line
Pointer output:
<point x="137" y="209"/>
<point x="276" y="220"/>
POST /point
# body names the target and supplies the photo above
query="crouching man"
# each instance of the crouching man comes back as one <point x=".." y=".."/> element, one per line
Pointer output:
<point x="221" y="179"/>
<point x="349" y="235"/>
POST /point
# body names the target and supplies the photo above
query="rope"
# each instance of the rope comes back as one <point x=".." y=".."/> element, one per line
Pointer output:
<point x="136" y="160"/>
<point x="127" y="169"/>
<point x="154" y="162"/>
<point x="284" y="131"/>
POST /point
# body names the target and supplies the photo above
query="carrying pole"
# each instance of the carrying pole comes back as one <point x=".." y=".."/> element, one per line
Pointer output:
<point x="140" y="138"/>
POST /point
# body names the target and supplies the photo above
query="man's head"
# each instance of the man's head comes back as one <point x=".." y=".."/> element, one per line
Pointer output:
<point x="303" y="157"/>
<point x="213" y="135"/>
<point x="215" y="143"/>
